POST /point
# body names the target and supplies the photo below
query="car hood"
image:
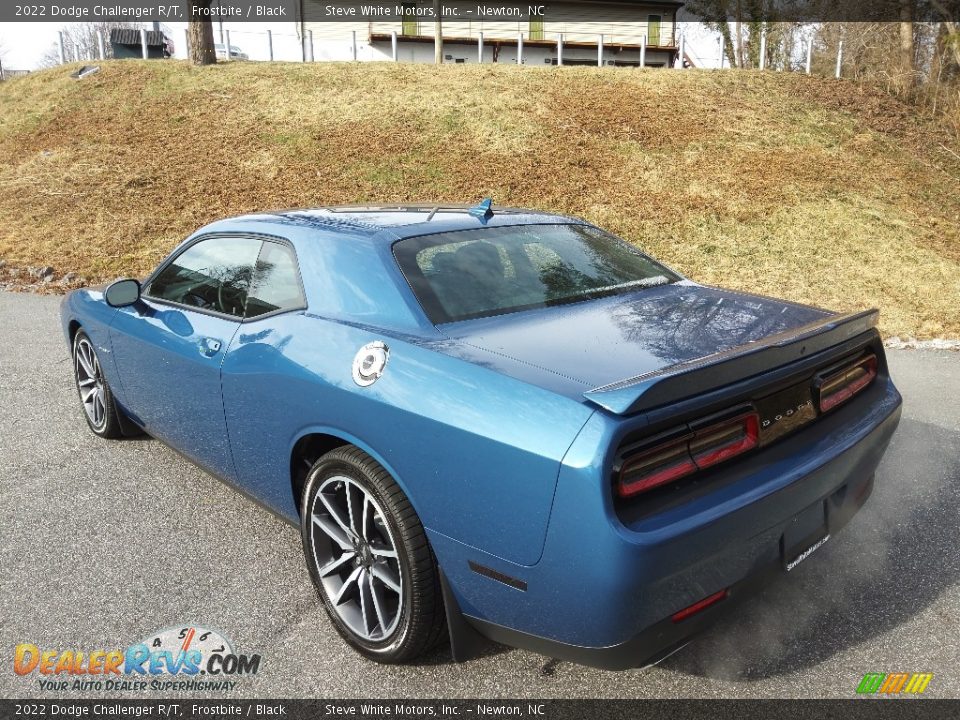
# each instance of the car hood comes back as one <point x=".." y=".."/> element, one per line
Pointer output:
<point x="579" y="346"/>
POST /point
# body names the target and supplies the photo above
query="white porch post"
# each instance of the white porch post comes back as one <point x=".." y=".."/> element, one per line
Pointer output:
<point x="643" y="51"/>
<point x="393" y="45"/>
<point x="600" y="51"/>
<point x="480" y="48"/>
<point x="560" y="49"/>
<point x="143" y="44"/>
<point x="519" y="48"/>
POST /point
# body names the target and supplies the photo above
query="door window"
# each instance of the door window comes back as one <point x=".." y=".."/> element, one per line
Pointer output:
<point x="409" y="25"/>
<point x="212" y="275"/>
<point x="536" y="29"/>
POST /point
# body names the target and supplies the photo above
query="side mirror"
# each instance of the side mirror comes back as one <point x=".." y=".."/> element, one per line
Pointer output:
<point x="122" y="293"/>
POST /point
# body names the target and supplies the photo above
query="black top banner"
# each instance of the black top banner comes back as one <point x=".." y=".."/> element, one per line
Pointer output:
<point x="459" y="11"/>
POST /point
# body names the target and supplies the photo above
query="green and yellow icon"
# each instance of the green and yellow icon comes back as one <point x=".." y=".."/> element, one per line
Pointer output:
<point x="894" y="683"/>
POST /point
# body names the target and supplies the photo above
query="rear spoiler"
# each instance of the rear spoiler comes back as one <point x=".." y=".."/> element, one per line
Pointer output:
<point x="700" y="375"/>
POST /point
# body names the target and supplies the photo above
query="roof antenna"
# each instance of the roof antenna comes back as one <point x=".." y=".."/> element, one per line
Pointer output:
<point x="484" y="210"/>
<point x="432" y="213"/>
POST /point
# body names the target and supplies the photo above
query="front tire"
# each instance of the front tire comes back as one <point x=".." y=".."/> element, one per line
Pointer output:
<point x="95" y="395"/>
<point x="369" y="558"/>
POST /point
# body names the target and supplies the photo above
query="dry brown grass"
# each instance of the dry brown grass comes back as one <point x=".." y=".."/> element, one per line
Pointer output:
<point x="810" y="189"/>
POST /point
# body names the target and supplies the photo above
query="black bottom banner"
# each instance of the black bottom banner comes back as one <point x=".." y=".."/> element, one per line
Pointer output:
<point x="530" y="709"/>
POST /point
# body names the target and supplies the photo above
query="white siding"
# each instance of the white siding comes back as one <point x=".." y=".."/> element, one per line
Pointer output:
<point x="575" y="21"/>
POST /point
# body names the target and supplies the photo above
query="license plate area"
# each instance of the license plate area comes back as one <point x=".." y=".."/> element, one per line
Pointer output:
<point x="785" y="412"/>
<point x="806" y="533"/>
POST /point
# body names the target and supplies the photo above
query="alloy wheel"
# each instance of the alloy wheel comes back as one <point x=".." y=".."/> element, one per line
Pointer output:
<point x="90" y="382"/>
<point x="356" y="558"/>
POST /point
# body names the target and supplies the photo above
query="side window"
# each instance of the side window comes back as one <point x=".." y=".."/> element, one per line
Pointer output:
<point x="276" y="282"/>
<point x="213" y="275"/>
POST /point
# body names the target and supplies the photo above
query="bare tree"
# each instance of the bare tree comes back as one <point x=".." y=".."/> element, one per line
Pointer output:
<point x="81" y="41"/>
<point x="742" y="23"/>
<point x="200" y="32"/>
<point x="907" y="49"/>
<point x="950" y="28"/>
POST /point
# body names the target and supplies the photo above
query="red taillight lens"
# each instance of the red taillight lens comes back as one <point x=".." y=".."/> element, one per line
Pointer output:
<point x="678" y="458"/>
<point x="699" y="606"/>
<point x="842" y="385"/>
<point x="650" y="469"/>
<point x="725" y="440"/>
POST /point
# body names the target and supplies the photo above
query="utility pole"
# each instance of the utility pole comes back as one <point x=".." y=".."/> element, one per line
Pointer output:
<point x="437" y="34"/>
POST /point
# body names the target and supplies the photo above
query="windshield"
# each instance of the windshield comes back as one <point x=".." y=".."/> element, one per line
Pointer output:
<point x="490" y="271"/>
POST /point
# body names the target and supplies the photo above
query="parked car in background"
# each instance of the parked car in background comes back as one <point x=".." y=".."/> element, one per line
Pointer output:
<point x="235" y="52"/>
<point x="508" y="425"/>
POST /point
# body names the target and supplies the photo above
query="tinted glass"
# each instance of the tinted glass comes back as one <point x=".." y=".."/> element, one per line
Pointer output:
<point x="475" y="273"/>
<point x="212" y="275"/>
<point x="276" y="284"/>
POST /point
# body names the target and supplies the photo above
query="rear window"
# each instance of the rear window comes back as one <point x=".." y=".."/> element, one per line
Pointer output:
<point x="490" y="271"/>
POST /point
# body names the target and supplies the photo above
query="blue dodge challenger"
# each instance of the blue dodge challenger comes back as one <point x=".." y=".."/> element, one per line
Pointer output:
<point x="495" y="424"/>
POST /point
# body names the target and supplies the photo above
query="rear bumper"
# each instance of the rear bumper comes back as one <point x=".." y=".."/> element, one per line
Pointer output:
<point x="603" y="593"/>
<point x="665" y="637"/>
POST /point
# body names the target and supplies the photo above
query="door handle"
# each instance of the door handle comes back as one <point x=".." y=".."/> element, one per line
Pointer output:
<point x="209" y="347"/>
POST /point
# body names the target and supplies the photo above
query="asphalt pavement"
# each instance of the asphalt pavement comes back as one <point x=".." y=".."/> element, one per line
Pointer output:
<point x="103" y="543"/>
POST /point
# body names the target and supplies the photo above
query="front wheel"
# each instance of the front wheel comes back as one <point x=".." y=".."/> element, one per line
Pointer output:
<point x="369" y="558"/>
<point x="95" y="394"/>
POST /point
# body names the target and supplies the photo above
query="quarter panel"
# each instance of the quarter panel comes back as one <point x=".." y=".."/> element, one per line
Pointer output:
<point x="477" y="453"/>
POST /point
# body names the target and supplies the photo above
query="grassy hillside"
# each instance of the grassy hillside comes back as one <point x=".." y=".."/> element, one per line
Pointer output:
<point x="798" y="187"/>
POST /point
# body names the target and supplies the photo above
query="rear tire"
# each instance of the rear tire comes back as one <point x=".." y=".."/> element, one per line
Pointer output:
<point x="369" y="558"/>
<point x="96" y="399"/>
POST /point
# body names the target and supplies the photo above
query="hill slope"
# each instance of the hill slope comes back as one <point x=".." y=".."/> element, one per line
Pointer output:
<point x="798" y="187"/>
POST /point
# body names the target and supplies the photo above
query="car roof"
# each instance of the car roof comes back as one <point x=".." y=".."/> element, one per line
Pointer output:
<point x="392" y="222"/>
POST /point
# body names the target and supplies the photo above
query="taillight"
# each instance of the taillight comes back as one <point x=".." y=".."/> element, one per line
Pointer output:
<point x="685" y="455"/>
<point x="655" y="467"/>
<point x="840" y="386"/>
<point x="725" y="440"/>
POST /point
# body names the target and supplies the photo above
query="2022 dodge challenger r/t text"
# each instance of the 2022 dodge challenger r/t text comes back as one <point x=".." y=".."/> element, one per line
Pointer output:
<point x="506" y="425"/>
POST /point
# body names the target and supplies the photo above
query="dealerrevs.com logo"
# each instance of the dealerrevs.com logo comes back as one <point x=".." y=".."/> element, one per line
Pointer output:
<point x="187" y="658"/>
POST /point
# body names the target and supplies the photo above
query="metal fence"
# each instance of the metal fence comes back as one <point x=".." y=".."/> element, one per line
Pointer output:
<point x="270" y="45"/>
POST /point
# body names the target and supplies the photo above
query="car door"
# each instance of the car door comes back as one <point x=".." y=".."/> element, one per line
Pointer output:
<point x="169" y="347"/>
<point x="263" y="380"/>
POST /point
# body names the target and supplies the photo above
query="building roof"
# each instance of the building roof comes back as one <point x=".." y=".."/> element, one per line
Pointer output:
<point x="128" y="36"/>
